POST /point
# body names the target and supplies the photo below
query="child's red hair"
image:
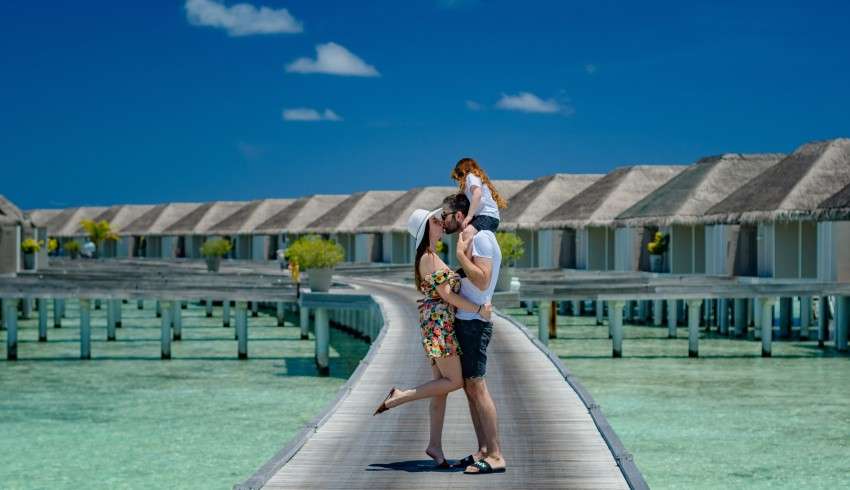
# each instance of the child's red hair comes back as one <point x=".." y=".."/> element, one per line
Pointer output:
<point x="468" y="166"/>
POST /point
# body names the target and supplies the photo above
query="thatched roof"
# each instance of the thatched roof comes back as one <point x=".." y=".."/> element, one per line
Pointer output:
<point x="836" y="207"/>
<point x="791" y="189"/>
<point x="122" y="215"/>
<point x="40" y="217"/>
<point x="11" y="215"/>
<point x="246" y="219"/>
<point x="541" y="197"/>
<point x="295" y="217"/>
<point x="67" y="222"/>
<point x="394" y="216"/>
<point x="160" y="217"/>
<point x="687" y="196"/>
<point x="358" y="207"/>
<point x="199" y="221"/>
<point x="605" y="199"/>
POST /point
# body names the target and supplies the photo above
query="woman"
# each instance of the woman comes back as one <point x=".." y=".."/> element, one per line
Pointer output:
<point x="440" y="286"/>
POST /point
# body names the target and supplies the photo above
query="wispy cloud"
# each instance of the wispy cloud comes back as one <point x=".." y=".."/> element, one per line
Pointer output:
<point x="309" y="115"/>
<point x="333" y="59"/>
<point x="241" y="19"/>
<point x="590" y="68"/>
<point x="528" y="102"/>
<point x="474" y="106"/>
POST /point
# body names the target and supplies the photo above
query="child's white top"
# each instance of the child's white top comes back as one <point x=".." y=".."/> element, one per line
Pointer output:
<point x="488" y="206"/>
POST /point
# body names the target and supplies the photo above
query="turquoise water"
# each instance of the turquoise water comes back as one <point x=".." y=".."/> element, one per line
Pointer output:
<point x="126" y="419"/>
<point x="729" y="419"/>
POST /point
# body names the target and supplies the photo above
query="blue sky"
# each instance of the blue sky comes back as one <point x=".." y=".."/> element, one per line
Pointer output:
<point x="111" y="102"/>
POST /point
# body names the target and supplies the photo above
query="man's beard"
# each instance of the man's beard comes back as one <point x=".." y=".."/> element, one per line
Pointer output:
<point x="452" y="227"/>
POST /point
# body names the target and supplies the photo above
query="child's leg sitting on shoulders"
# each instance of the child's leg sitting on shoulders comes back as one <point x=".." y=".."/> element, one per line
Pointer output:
<point x="479" y="223"/>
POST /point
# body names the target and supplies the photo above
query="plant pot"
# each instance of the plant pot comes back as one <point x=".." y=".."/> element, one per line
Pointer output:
<point x="213" y="263"/>
<point x="656" y="262"/>
<point x="29" y="261"/>
<point x="503" y="283"/>
<point x="74" y="255"/>
<point x="320" y="279"/>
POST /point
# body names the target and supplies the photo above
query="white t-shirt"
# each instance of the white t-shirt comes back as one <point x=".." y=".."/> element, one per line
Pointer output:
<point x="488" y="206"/>
<point x="484" y="245"/>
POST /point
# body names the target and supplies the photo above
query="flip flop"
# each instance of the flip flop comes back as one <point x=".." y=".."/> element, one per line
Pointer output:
<point x="443" y="466"/>
<point x="383" y="406"/>
<point x="484" y="468"/>
<point x="467" y="461"/>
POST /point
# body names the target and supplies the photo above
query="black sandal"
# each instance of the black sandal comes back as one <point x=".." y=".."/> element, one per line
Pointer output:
<point x="383" y="406"/>
<point x="484" y="468"/>
<point x="467" y="461"/>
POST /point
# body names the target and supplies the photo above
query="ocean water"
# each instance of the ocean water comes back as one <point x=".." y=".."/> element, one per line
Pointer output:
<point x="126" y="419"/>
<point x="728" y="419"/>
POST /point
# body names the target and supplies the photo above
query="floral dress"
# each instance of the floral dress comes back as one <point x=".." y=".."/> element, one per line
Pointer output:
<point x="436" y="317"/>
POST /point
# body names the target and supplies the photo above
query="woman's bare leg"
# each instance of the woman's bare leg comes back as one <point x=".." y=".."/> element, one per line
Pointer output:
<point x="451" y="379"/>
<point x="437" y="412"/>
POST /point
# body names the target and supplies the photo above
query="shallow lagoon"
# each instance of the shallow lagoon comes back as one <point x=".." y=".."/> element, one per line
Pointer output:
<point x="127" y="419"/>
<point x="729" y="419"/>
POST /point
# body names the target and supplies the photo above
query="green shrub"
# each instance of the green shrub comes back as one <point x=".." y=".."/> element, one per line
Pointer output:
<point x="314" y="252"/>
<point x="98" y="231"/>
<point x="217" y="247"/>
<point x="30" y="246"/>
<point x="659" y="244"/>
<point x="512" y="247"/>
<point x="72" y="247"/>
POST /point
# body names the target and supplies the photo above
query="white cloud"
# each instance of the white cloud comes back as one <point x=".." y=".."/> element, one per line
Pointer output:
<point x="590" y="69"/>
<point x="308" y="114"/>
<point x="473" y="106"/>
<point x="241" y="19"/>
<point x="333" y="59"/>
<point x="528" y="102"/>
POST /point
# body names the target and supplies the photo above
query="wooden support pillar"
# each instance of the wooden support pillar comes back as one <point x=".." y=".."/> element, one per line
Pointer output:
<point x="242" y="328"/>
<point x="553" y="319"/>
<point x="10" y="317"/>
<point x="140" y="304"/>
<point x="85" y="328"/>
<point x="42" y="319"/>
<point x="842" y="322"/>
<point x="305" y="323"/>
<point x="26" y="308"/>
<point x="544" y="311"/>
<point x="225" y="313"/>
<point x="672" y="318"/>
<point x="693" y="326"/>
<point x="600" y="311"/>
<point x="823" y="320"/>
<point x="643" y="311"/>
<point x="563" y="307"/>
<point x="657" y="312"/>
<point x="766" y="325"/>
<point x="529" y="307"/>
<point x="118" y="312"/>
<point x="322" y="342"/>
<point x="786" y="317"/>
<point x="741" y="314"/>
<point x="165" y="328"/>
<point x="281" y="316"/>
<point x="723" y="316"/>
<point x="110" y="320"/>
<point x="97" y="304"/>
<point x="255" y="309"/>
<point x="57" y="312"/>
<point x="805" y="316"/>
<point x="615" y="321"/>
<point x="158" y="308"/>
<point x="208" y="303"/>
<point x="177" y="323"/>
<point x="184" y="305"/>
<point x="575" y="306"/>
<point x="706" y="312"/>
<point x="757" y="314"/>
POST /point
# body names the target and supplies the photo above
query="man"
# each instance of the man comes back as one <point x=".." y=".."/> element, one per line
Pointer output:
<point x="473" y="333"/>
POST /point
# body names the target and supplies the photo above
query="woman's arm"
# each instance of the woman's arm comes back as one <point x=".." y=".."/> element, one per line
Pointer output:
<point x="473" y="206"/>
<point x="460" y="302"/>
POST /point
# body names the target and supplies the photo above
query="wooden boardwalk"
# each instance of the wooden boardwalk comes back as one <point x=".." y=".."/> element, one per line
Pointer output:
<point x="552" y="433"/>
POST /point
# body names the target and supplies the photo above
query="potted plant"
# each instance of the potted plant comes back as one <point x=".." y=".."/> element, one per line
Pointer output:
<point x="98" y="232"/>
<point x="318" y="257"/>
<point x="657" y="248"/>
<point x="512" y="248"/>
<point x="72" y="248"/>
<point x="52" y="245"/>
<point x="214" y="250"/>
<point x="30" y="247"/>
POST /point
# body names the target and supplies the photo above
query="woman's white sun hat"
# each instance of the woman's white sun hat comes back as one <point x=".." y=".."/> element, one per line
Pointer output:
<point x="416" y="223"/>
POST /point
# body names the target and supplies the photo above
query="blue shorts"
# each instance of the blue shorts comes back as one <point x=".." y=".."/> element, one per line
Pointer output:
<point x="482" y="223"/>
<point x="473" y="337"/>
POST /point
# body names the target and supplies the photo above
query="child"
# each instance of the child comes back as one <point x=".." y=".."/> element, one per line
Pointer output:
<point x="484" y="199"/>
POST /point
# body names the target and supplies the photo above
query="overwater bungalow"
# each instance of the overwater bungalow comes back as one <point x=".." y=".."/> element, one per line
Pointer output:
<point x="676" y="207"/>
<point x="598" y="245"/>
<point x="118" y="218"/>
<point x="341" y="222"/>
<point x="15" y="227"/>
<point x="192" y="230"/>
<point x="66" y="226"/>
<point x="291" y="222"/>
<point x="148" y="236"/>
<point x="242" y="225"/>
<point x="544" y="247"/>
<point x="389" y="225"/>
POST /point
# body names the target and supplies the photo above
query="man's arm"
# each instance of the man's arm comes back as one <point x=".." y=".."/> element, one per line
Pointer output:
<point x="478" y="269"/>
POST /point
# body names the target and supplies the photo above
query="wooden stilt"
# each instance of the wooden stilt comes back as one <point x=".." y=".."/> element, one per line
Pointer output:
<point x="741" y="313"/>
<point x="805" y="316"/>
<point x="225" y="313"/>
<point x="57" y="312"/>
<point x="177" y="323"/>
<point x="672" y="318"/>
<point x="657" y="312"/>
<point x="209" y="307"/>
<point x="281" y="317"/>
<point x="305" y="322"/>
<point x="165" y="328"/>
<point x="242" y="328"/>
<point x="693" y="326"/>
<point x="544" y="311"/>
<point x="97" y="304"/>
<point x="785" y="317"/>
<point x="553" y="319"/>
<point x="322" y="342"/>
<point x="158" y="309"/>
<point x="118" y="306"/>
<point x="255" y="309"/>
<point x="110" y="320"/>
<point x="723" y="316"/>
<point x="823" y="320"/>
<point x="26" y="308"/>
<point x="615" y="321"/>
<point x="766" y="325"/>
<point x="42" y="319"/>
<point x="10" y="318"/>
<point x="600" y="311"/>
<point x="85" y="329"/>
<point x="140" y="304"/>
<point x="842" y="322"/>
